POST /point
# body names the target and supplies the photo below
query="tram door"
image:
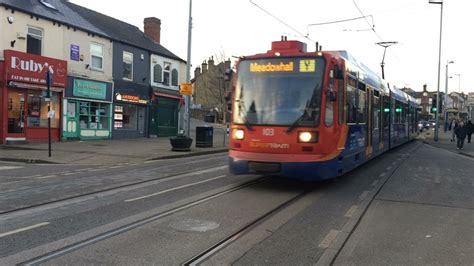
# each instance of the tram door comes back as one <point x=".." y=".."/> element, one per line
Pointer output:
<point x="370" y="126"/>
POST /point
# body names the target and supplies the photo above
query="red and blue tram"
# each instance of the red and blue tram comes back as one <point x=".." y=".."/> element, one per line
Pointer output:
<point x="313" y="115"/>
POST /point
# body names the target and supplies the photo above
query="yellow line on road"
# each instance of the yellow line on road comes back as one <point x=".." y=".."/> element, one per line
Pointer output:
<point x="23" y="229"/>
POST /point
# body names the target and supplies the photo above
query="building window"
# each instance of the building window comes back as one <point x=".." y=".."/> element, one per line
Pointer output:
<point x="127" y="66"/>
<point x="97" y="56"/>
<point x="34" y="41"/>
<point x="174" y="77"/>
<point x="157" y="74"/>
<point x="167" y="74"/>
<point x="125" y="117"/>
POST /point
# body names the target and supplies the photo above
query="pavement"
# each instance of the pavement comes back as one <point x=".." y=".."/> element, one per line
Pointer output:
<point x="113" y="151"/>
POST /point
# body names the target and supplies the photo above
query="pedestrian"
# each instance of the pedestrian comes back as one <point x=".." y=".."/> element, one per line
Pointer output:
<point x="461" y="132"/>
<point x="470" y="130"/>
<point x="454" y="124"/>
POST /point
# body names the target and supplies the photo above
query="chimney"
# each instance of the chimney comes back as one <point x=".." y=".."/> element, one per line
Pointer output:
<point x="152" y="28"/>
<point x="424" y="87"/>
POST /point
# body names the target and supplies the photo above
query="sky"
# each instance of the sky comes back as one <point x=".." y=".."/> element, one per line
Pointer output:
<point x="225" y="29"/>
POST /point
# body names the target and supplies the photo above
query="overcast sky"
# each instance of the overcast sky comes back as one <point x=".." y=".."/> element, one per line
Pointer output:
<point x="243" y="27"/>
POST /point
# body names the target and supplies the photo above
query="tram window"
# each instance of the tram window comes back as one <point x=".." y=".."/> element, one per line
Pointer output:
<point x="386" y="115"/>
<point x="351" y="104"/>
<point x="362" y="108"/>
<point x="329" y="117"/>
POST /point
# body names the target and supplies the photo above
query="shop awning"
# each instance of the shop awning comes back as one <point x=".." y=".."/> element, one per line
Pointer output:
<point x="16" y="84"/>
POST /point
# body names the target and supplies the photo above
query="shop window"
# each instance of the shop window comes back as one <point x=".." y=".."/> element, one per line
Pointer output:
<point x="157" y="73"/>
<point x="97" y="56"/>
<point x="37" y="115"/>
<point x="34" y="40"/>
<point x="127" y="66"/>
<point x="125" y="117"/>
<point x="174" y="77"/>
<point x="93" y="115"/>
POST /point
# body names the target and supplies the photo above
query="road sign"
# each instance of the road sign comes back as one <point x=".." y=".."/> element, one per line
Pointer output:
<point x="186" y="89"/>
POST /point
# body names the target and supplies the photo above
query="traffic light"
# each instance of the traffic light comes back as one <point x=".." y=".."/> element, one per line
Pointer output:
<point x="433" y="104"/>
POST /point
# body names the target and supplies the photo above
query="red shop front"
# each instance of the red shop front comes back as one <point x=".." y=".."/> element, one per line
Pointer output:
<point x="23" y="102"/>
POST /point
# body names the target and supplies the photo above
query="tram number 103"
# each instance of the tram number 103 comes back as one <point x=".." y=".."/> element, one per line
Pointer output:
<point x="268" y="132"/>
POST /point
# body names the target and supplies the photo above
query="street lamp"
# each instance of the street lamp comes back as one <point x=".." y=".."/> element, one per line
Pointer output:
<point x="446" y="96"/>
<point x="187" y="98"/>
<point x="440" y="2"/>
<point x="384" y="45"/>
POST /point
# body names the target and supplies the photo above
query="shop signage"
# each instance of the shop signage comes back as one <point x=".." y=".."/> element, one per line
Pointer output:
<point x="130" y="98"/>
<point x="89" y="89"/>
<point x="30" y="68"/>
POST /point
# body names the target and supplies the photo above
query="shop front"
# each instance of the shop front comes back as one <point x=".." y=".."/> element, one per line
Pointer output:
<point x="130" y="112"/>
<point x="164" y="116"/>
<point x="87" y="109"/>
<point x="26" y="108"/>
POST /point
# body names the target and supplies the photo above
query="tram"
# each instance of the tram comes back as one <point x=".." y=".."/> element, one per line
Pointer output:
<point x="313" y="115"/>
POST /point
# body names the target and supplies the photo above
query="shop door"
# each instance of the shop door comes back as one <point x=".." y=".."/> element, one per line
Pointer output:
<point x="141" y="120"/>
<point x="72" y="120"/>
<point x="166" y="117"/>
<point x="16" y="114"/>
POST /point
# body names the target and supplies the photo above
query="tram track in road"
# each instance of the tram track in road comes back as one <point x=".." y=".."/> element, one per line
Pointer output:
<point x="222" y="244"/>
<point x="107" y="191"/>
<point x="60" y="251"/>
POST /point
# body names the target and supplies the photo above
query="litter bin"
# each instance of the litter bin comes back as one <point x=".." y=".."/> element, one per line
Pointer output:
<point x="204" y="137"/>
<point x="210" y="118"/>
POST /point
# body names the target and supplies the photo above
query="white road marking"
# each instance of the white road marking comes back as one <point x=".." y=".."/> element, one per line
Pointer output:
<point x="388" y="168"/>
<point x="364" y="195"/>
<point x="117" y="166"/>
<point x="9" y="167"/>
<point x="374" y="183"/>
<point x="437" y="179"/>
<point x="351" y="211"/>
<point x="329" y="238"/>
<point x="47" y="176"/>
<point x="23" y="229"/>
<point x="382" y="174"/>
<point x="172" y="189"/>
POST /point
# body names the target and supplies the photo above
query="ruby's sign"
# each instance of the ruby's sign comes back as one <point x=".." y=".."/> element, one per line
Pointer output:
<point x="30" y="68"/>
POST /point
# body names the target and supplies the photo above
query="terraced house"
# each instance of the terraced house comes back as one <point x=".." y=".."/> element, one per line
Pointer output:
<point x="103" y="79"/>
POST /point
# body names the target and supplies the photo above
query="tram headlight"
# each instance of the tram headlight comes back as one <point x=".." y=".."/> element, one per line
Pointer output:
<point x="238" y="134"/>
<point x="307" y="136"/>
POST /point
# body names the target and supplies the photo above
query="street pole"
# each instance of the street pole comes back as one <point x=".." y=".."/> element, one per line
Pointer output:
<point x="48" y="99"/>
<point x="385" y="45"/>
<point x="436" y="135"/>
<point x="446" y="97"/>
<point x="187" y="98"/>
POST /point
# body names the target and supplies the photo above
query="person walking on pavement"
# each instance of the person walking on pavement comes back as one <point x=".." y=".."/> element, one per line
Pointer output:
<point x="454" y="124"/>
<point x="461" y="132"/>
<point x="470" y="130"/>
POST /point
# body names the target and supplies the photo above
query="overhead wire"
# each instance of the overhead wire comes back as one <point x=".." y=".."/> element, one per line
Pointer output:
<point x="365" y="17"/>
<point x="281" y="21"/>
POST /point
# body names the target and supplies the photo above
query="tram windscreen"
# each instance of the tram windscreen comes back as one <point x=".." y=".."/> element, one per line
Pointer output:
<point x="279" y="91"/>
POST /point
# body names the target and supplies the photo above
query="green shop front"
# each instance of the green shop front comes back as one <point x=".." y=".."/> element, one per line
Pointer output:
<point x="87" y="109"/>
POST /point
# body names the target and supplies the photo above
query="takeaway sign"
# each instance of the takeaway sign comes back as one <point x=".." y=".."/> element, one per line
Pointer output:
<point x="30" y="68"/>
